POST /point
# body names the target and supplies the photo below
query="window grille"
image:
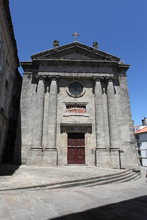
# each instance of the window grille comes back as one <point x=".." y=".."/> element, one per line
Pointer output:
<point x="75" y="108"/>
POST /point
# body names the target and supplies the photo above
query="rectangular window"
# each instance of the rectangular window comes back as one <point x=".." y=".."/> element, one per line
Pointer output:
<point x="75" y="108"/>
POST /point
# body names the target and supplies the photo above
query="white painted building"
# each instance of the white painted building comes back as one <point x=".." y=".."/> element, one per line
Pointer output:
<point x="141" y="138"/>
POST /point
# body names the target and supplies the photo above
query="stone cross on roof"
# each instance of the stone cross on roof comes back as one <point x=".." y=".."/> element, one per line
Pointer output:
<point x="75" y="34"/>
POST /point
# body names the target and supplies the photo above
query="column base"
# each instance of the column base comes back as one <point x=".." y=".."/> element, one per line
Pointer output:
<point x="48" y="157"/>
<point x="108" y="158"/>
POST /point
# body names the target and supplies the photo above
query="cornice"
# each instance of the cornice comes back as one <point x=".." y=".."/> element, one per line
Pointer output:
<point x="35" y="63"/>
<point x="124" y="67"/>
<point x="74" y="62"/>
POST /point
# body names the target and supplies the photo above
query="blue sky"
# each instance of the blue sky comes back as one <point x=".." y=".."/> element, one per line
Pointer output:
<point x="120" y="27"/>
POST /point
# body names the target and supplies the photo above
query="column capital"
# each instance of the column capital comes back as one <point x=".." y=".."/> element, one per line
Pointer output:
<point x="54" y="77"/>
<point x="46" y="77"/>
<point x="109" y="78"/>
<point x="98" y="78"/>
<point x="40" y="78"/>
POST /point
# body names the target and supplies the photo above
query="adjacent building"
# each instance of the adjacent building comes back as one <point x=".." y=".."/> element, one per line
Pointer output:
<point x="10" y="84"/>
<point x="75" y="109"/>
<point x="141" y="138"/>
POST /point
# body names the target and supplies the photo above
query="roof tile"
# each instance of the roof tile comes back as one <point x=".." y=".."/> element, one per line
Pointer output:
<point x="143" y="130"/>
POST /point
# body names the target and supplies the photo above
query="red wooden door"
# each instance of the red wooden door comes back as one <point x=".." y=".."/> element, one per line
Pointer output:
<point x="76" y="148"/>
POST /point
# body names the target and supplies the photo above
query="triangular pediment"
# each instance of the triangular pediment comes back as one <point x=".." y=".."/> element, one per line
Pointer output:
<point x="74" y="51"/>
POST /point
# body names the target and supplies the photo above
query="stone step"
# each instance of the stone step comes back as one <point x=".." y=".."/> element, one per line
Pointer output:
<point x="120" y="179"/>
<point x="134" y="178"/>
<point x="88" y="180"/>
<point x="96" y="181"/>
<point x="91" y="181"/>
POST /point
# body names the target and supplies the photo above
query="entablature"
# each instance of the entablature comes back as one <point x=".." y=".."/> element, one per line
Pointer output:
<point x="77" y="67"/>
<point x="76" y="127"/>
<point x="74" y="75"/>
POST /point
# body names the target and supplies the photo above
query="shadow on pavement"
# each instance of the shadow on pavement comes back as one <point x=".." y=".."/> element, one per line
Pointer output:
<point x="8" y="169"/>
<point x="134" y="209"/>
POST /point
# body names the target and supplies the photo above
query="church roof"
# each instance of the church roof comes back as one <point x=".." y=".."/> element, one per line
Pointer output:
<point x="90" y="51"/>
<point x="75" y="53"/>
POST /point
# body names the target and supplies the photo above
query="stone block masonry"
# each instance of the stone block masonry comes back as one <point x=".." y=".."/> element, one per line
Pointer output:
<point x="75" y="109"/>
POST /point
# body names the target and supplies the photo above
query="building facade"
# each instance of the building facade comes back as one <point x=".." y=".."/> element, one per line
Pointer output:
<point x="141" y="139"/>
<point x="10" y="84"/>
<point x="75" y="109"/>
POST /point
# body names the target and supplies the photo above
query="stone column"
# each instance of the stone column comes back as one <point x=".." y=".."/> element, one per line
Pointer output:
<point x="52" y="122"/>
<point x="45" y="120"/>
<point x="129" y="159"/>
<point x="112" y="116"/>
<point x="27" y="113"/>
<point x="39" y="113"/>
<point x="100" y="141"/>
<point x="105" y="116"/>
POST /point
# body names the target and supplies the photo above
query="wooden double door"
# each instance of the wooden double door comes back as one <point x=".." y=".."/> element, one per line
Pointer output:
<point x="76" y="148"/>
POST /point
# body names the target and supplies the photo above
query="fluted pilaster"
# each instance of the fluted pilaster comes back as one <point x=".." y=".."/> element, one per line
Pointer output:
<point x="112" y="116"/>
<point x="39" y="114"/>
<point x="46" y="117"/>
<point x="52" y="122"/>
<point x="100" y="142"/>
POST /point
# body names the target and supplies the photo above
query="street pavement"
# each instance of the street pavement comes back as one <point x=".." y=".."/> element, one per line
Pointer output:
<point x="104" y="202"/>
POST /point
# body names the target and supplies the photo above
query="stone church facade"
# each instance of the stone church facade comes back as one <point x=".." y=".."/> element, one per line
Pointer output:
<point x="75" y="109"/>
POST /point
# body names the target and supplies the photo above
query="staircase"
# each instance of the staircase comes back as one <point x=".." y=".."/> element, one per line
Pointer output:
<point x="118" y="177"/>
<point x="123" y="176"/>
